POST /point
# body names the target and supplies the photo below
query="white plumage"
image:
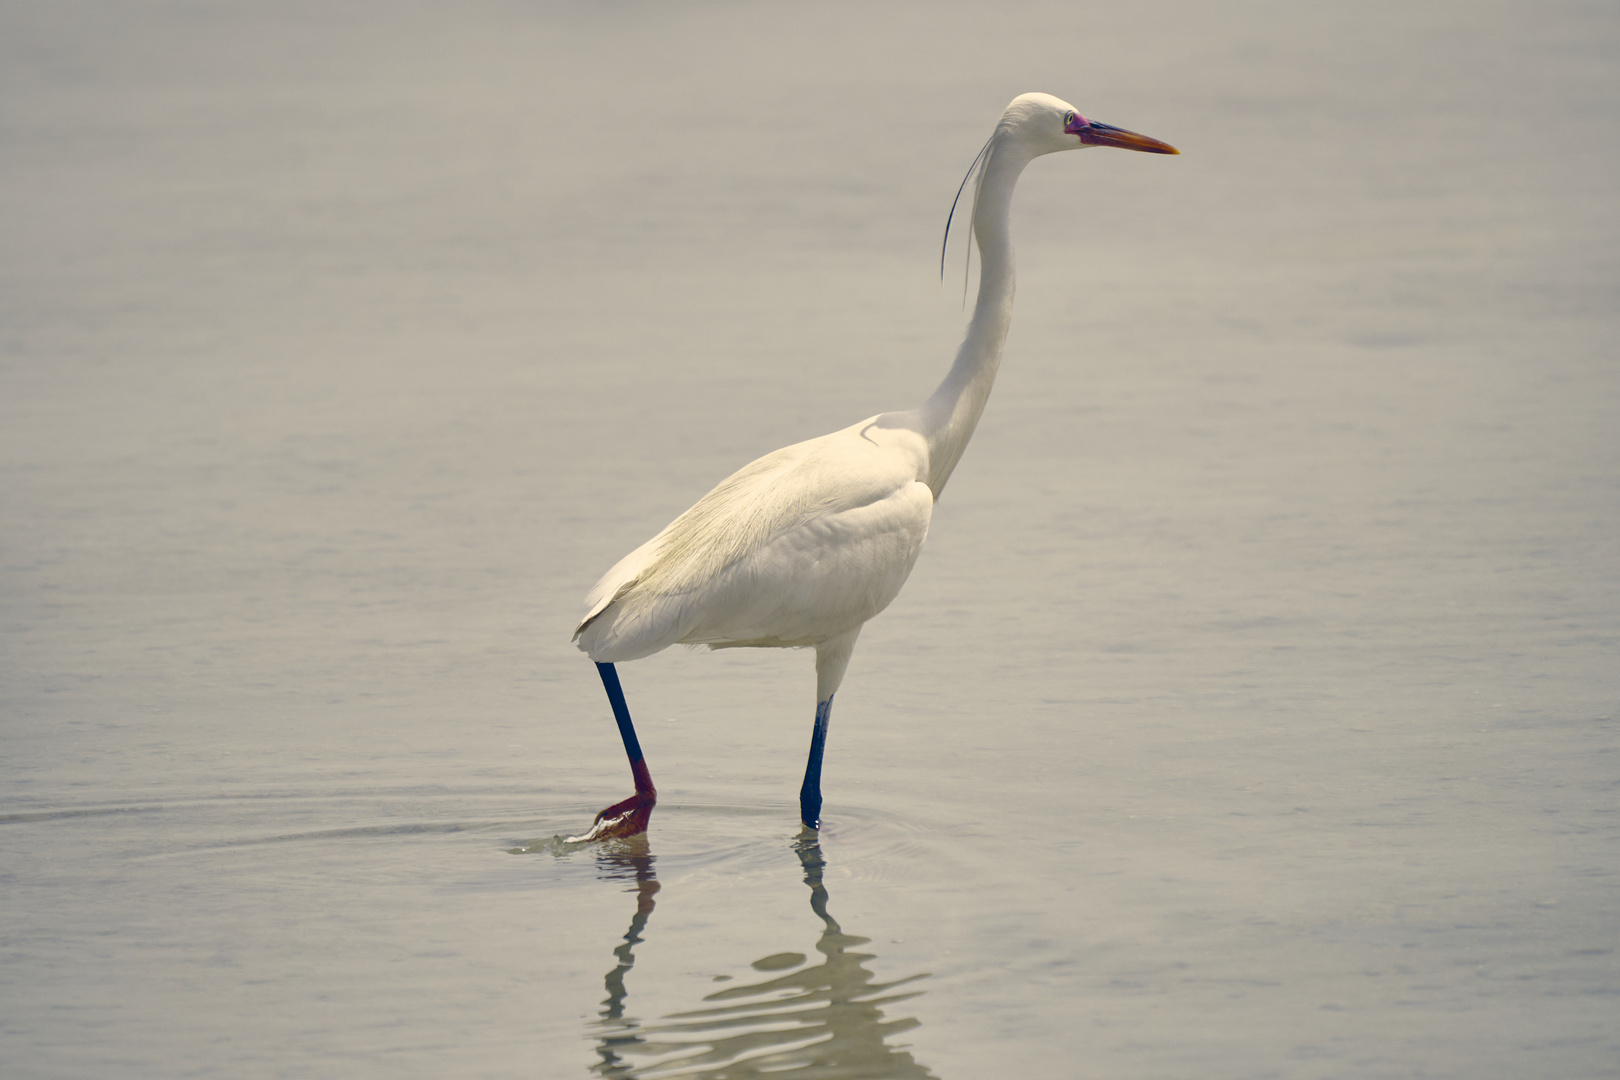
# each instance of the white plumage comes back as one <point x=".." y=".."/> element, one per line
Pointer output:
<point x="804" y="545"/>
<point x="797" y="548"/>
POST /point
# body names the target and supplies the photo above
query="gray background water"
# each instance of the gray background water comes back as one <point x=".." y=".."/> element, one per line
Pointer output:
<point x="1251" y="712"/>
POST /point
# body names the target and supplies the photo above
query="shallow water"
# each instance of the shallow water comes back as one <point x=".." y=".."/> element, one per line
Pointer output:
<point x="1251" y="712"/>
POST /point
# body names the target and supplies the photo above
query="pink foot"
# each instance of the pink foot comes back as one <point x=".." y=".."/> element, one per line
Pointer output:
<point x="622" y="819"/>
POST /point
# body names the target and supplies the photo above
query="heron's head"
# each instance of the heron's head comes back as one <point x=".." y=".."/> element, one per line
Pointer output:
<point x="1036" y="124"/>
<point x="1046" y="124"/>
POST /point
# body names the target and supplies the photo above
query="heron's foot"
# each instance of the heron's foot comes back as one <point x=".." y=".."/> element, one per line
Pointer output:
<point x="622" y="819"/>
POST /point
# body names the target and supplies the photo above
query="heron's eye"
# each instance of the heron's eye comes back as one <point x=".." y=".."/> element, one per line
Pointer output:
<point x="1068" y="121"/>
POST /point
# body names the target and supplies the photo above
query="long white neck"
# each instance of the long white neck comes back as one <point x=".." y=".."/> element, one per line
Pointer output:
<point x="950" y="414"/>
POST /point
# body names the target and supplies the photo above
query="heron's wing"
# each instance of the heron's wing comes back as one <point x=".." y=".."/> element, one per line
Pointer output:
<point x="828" y="575"/>
<point x="658" y="593"/>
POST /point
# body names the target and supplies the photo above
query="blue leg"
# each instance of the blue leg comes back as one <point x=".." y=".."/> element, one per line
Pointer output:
<point x="810" y="793"/>
<point x="629" y="817"/>
<point x="627" y="730"/>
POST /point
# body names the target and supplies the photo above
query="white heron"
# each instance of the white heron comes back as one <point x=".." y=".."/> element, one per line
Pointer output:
<point x="803" y="546"/>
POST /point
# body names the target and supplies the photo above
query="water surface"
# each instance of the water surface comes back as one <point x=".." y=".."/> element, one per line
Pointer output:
<point x="1251" y="711"/>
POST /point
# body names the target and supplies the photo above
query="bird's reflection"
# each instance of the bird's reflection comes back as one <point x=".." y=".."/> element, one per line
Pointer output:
<point x="825" y="1020"/>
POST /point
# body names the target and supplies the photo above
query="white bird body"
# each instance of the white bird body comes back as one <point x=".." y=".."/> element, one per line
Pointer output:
<point x="802" y="546"/>
<point x="799" y="547"/>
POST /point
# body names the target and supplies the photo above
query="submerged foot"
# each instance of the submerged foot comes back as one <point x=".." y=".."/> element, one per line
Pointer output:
<point x="627" y="818"/>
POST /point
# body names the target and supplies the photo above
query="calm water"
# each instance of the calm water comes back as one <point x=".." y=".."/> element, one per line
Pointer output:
<point x="1252" y="711"/>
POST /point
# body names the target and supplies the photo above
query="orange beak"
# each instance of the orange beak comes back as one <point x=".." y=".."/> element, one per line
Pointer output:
<point x="1096" y="133"/>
